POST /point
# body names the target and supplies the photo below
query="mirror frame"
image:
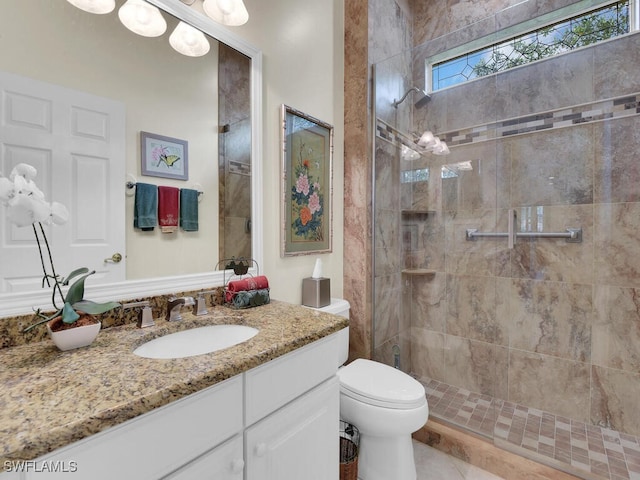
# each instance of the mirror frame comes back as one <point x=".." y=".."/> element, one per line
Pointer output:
<point x="25" y="302"/>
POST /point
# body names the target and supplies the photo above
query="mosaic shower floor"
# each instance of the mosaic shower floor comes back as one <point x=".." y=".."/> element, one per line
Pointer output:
<point x="580" y="449"/>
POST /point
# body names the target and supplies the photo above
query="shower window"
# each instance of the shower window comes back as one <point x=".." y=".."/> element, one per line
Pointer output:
<point x="559" y="35"/>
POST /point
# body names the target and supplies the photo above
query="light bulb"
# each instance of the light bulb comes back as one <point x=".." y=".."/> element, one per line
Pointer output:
<point x="94" y="6"/>
<point x="142" y="18"/>
<point x="189" y="41"/>
<point x="226" y="12"/>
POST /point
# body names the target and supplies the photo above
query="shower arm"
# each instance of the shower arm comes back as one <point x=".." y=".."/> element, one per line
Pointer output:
<point x="404" y="97"/>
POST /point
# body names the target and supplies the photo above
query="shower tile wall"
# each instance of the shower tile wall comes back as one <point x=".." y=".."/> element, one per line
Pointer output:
<point x="550" y="324"/>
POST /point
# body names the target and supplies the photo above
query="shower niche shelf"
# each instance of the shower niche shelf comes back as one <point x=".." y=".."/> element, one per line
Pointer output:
<point x="417" y="213"/>
<point x="418" y="271"/>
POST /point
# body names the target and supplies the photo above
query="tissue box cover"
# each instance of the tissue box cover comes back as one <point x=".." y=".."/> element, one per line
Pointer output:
<point x="316" y="292"/>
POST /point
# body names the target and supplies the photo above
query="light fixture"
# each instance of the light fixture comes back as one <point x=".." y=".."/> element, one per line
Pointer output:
<point x="226" y="12"/>
<point x="142" y="18"/>
<point x="189" y="41"/>
<point x="94" y="6"/>
<point x="441" y="149"/>
<point x="429" y="141"/>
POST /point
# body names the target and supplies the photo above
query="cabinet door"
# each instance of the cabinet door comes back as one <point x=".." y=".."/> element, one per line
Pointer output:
<point x="299" y="441"/>
<point x="222" y="463"/>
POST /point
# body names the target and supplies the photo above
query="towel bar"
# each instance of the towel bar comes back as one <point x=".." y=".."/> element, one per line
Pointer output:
<point x="573" y="235"/>
<point x="131" y="185"/>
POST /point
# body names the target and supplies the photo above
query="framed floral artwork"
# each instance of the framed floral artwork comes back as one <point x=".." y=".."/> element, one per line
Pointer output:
<point x="307" y="190"/>
<point x="164" y="156"/>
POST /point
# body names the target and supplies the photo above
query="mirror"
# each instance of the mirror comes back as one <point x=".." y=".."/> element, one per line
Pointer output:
<point x="156" y="264"/>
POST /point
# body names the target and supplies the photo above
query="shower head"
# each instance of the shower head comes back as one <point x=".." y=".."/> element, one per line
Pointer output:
<point x="422" y="101"/>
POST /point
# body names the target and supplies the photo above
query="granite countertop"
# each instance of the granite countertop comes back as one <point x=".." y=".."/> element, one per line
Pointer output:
<point x="51" y="398"/>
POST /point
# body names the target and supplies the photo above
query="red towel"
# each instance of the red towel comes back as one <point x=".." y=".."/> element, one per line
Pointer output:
<point x="251" y="283"/>
<point x="168" y="208"/>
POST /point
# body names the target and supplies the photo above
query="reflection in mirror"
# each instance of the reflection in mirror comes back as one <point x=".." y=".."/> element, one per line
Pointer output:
<point x="234" y="154"/>
<point x="157" y="90"/>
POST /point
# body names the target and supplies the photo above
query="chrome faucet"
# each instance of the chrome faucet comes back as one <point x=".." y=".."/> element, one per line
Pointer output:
<point x="174" y="306"/>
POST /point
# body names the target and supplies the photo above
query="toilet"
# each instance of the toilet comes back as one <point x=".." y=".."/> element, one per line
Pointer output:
<point x="386" y="405"/>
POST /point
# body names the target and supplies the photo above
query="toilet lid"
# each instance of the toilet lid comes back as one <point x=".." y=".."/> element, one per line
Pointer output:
<point x="378" y="384"/>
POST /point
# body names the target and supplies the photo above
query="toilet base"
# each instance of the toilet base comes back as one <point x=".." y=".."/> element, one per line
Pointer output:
<point x="384" y="458"/>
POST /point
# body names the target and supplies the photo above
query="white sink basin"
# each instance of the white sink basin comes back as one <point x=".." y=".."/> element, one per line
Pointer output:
<point x="195" y="341"/>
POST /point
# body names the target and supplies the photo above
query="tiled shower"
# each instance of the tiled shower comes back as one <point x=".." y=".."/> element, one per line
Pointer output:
<point x="550" y="327"/>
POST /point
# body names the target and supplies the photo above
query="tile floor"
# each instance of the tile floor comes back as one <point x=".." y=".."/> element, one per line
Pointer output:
<point x="599" y="452"/>
<point x="432" y="464"/>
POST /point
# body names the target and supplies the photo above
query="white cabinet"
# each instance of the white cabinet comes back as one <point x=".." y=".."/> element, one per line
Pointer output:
<point x="278" y="421"/>
<point x="299" y="441"/>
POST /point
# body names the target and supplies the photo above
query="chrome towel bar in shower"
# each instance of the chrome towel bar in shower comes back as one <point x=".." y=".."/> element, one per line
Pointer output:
<point x="572" y="235"/>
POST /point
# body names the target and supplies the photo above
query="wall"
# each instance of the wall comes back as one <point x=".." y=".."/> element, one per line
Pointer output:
<point x="303" y="52"/>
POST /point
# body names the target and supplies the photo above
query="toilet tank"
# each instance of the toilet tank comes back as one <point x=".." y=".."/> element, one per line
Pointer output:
<point x="339" y="306"/>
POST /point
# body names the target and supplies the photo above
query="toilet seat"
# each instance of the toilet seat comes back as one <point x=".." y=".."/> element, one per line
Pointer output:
<point x="378" y="384"/>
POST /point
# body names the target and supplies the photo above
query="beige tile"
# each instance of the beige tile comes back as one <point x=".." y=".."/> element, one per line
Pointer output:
<point x="428" y="301"/>
<point x="616" y="163"/>
<point x="547" y="383"/>
<point x="552" y="167"/>
<point x="475" y="188"/>
<point x="473" y="365"/>
<point x="614" y="401"/>
<point x="427" y="353"/>
<point x="554" y="259"/>
<point x="476" y="257"/>
<point x="550" y="317"/>
<point x="615" y="67"/>
<point x="616" y="229"/>
<point x="616" y="337"/>
<point x="471" y="309"/>
<point x="388" y="307"/>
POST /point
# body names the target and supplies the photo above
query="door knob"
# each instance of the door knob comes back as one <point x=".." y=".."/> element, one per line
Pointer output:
<point x="115" y="258"/>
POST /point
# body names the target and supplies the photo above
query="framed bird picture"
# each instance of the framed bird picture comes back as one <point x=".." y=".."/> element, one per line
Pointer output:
<point x="164" y="156"/>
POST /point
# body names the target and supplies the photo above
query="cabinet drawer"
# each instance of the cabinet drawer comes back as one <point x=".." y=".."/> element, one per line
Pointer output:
<point x="158" y="442"/>
<point x="270" y="386"/>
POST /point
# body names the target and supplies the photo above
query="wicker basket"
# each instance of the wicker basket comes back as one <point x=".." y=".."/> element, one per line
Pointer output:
<point x="349" y="444"/>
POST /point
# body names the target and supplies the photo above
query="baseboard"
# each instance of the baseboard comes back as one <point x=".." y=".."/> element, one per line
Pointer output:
<point x="484" y="454"/>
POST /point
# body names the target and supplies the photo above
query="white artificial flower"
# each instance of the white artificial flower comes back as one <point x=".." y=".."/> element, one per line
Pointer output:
<point x="25" y="202"/>
<point x="59" y="213"/>
<point x="24" y="210"/>
<point x="24" y="170"/>
<point x="7" y="190"/>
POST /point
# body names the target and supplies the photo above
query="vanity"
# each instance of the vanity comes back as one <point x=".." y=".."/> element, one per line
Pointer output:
<point x="266" y="408"/>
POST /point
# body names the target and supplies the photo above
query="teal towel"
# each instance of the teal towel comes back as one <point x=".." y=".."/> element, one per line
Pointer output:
<point x="189" y="209"/>
<point x="145" y="207"/>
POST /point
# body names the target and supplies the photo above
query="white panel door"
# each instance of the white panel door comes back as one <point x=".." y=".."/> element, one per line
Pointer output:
<point x="77" y="143"/>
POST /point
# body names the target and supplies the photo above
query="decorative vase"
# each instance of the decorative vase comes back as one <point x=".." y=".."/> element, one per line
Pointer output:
<point x="75" y="337"/>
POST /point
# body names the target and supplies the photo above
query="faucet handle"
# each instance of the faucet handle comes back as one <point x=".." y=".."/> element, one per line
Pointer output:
<point x="145" y="315"/>
<point x="200" y="308"/>
<point x="146" y="318"/>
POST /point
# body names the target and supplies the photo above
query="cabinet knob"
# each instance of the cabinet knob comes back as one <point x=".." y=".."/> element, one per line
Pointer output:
<point x="261" y="449"/>
<point x="237" y="465"/>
